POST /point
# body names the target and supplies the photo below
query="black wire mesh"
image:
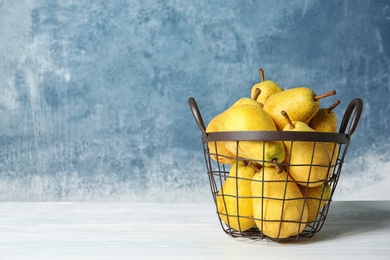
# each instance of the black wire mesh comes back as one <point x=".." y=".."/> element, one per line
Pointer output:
<point x="256" y="198"/>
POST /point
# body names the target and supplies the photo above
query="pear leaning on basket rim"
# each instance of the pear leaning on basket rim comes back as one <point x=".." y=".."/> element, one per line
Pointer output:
<point x="308" y="162"/>
<point x="252" y="118"/>
<point x="325" y="120"/>
<point x="218" y="150"/>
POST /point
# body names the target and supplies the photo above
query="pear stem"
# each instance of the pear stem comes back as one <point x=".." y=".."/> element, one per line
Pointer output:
<point x="277" y="167"/>
<point x="254" y="167"/>
<point x="335" y="104"/>
<point x="330" y="93"/>
<point x="261" y="72"/>
<point x="290" y="123"/>
<point x="256" y="94"/>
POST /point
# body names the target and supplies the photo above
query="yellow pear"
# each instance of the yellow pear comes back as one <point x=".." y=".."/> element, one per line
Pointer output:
<point x="325" y="120"/>
<point x="278" y="205"/>
<point x="300" y="103"/>
<point x="252" y="118"/>
<point x="234" y="201"/>
<point x="217" y="150"/>
<point x="267" y="88"/>
<point x="316" y="198"/>
<point x="308" y="162"/>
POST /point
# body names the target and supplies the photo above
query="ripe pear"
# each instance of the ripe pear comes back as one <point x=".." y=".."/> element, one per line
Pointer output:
<point x="279" y="208"/>
<point x="252" y="118"/>
<point x="267" y="88"/>
<point x="325" y="120"/>
<point x="300" y="103"/>
<point x="234" y="201"/>
<point x="308" y="162"/>
<point x="316" y="198"/>
<point x="217" y="150"/>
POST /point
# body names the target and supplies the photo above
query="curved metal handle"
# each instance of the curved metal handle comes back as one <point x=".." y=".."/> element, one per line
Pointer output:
<point x="356" y="106"/>
<point x="196" y="113"/>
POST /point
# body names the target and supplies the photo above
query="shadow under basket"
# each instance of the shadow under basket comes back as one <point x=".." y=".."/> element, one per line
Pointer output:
<point x="259" y="199"/>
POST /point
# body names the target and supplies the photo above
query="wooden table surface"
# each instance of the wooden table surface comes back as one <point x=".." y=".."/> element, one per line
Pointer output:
<point x="61" y="230"/>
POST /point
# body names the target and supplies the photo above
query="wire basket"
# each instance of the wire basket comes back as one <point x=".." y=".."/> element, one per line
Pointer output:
<point x="257" y="198"/>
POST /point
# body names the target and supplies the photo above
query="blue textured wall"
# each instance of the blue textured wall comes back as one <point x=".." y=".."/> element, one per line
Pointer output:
<point x="93" y="94"/>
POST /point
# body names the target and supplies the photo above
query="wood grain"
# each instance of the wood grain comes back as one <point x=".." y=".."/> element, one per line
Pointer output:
<point x="353" y="230"/>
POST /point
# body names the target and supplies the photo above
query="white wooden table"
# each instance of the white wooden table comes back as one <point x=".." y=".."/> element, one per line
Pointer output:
<point x="59" y="230"/>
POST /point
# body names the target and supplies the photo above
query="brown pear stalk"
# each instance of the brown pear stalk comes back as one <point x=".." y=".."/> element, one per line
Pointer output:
<point x="255" y="167"/>
<point x="335" y="104"/>
<point x="256" y="94"/>
<point x="330" y="93"/>
<point x="258" y="168"/>
<point x="290" y="123"/>
<point x="277" y="166"/>
<point x="261" y="72"/>
<point x="267" y="87"/>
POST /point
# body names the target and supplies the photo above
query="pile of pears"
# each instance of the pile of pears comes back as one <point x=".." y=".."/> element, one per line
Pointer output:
<point x="279" y="187"/>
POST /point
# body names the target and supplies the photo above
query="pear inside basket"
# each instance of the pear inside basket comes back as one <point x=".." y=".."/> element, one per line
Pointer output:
<point x="274" y="160"/>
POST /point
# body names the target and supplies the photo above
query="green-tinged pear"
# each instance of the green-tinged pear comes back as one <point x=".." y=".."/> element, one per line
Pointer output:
<point x="300" y="103"/>
<point x="252" y="118"/>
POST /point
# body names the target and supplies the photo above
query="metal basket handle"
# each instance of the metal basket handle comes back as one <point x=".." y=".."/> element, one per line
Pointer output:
<point x="196" y="113"/>
<point x="356" y="106"/>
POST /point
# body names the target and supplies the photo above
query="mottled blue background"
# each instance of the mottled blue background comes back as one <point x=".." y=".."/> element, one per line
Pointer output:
<point x="93" y="94"/>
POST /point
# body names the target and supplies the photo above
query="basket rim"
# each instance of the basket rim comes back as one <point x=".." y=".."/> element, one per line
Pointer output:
<point x="275" y="136"/>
